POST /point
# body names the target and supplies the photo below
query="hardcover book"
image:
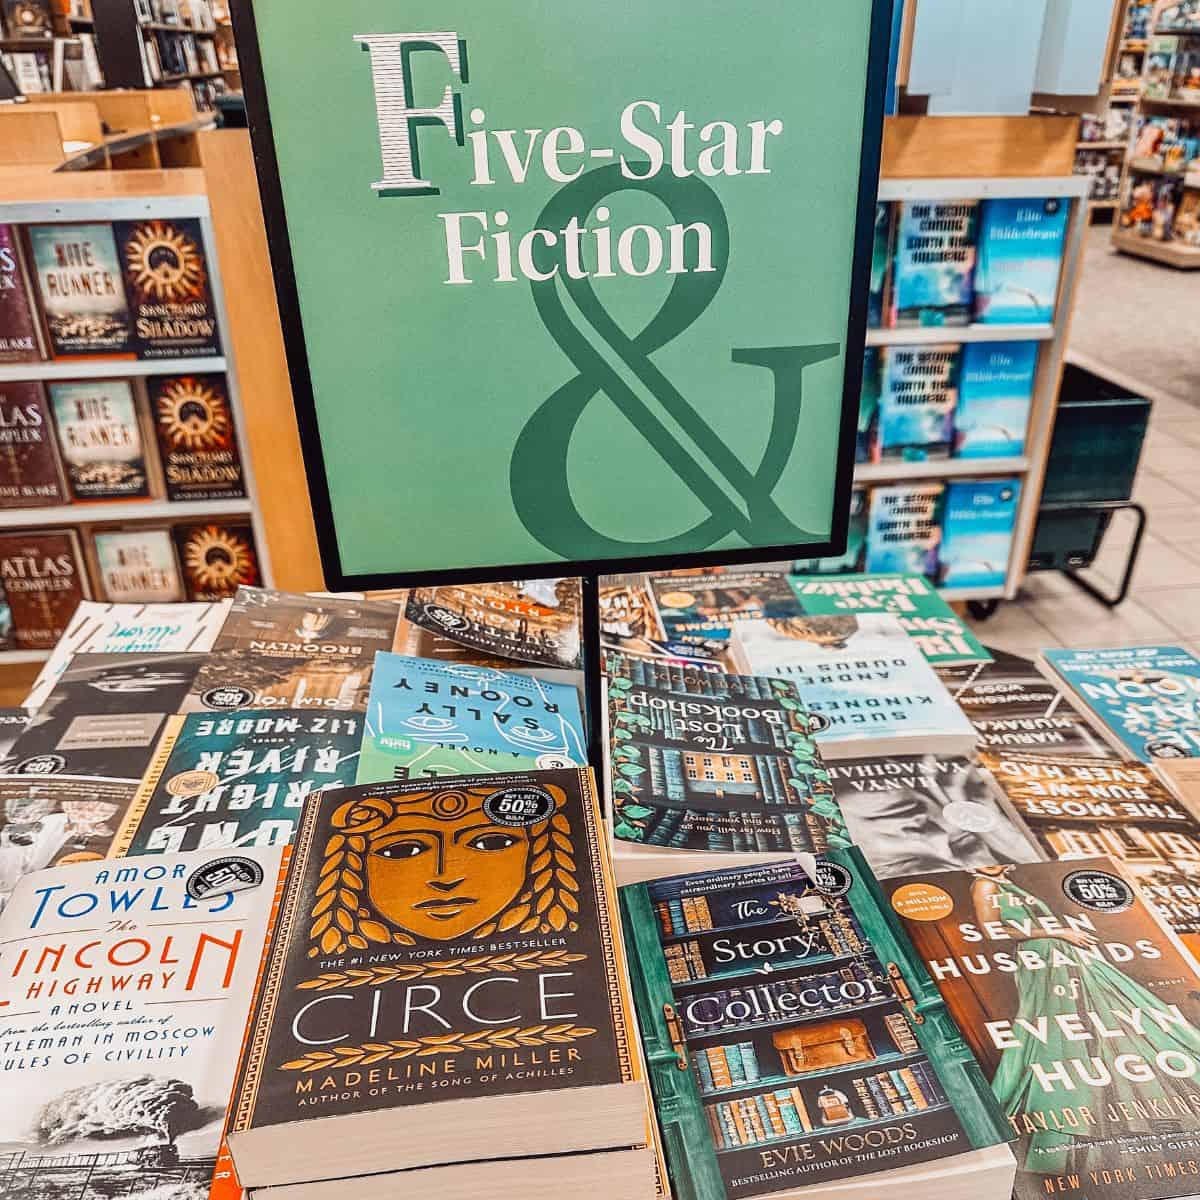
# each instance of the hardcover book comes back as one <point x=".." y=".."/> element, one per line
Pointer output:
<point x="856" y="543"/>
<point x="713" y="762"/>
<point x="917" y="401"/>
<point x="167" y="281"/>
<point x="217" y="559"/>
<point x="994" y="394"/>
<point x="1081" y="808"/>
<point x="1143" y="700"/>
<point x="927" y="619"/>
<point x="867" y="434"/>
<point x="794" y="1037"/>
<point x="238" y="780"/>
<point x="934" y="267"/>
<point x="530" y="620"/>
<point x="904" y="529"/>
<point x="30" y="474"/>
<point x="236" y="679"/>
<point x="868" y="686"/>
<point x="44" y="580"/>
<point x="704" y="608"/>
<point x="153" y="964"/>
<point x="459" y="981"/>
<point x="197" y="442"/>
<point x="913" y="813"/>
<point x="881" y="253"/>
<point x="1020" y="257"/>
<point x="427" y="719"/>
<point x="1080" y="1005"/>
<point x="78" y="278"/>
<point x="138" y="566"/>
<point x="19" y="341"/>
<point x="100" y="437"/>
<point x="977" y="532"/>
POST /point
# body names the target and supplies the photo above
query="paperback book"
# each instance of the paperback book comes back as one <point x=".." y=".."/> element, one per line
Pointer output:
<point x="137" y="566"/>
<point x="1020" y="257"/>
<point x="934" y="267"/>
<point x="1079" y="1005"/>
<point x="476" y="919"/>
<point x="904" y="530"/>
<point x="994" y="395"/>
<point x="928" y="620"/>
<point x="428" y="719"/>
<point x="881" y="253"/>
<point x="30" y="472"/>
<point x="917" y="402"/>
<point x="217" y="559"/>
<point x="197" y="442"/>
<point x="784" y="1054"/>
<point x="100" y="436"/>
<point x="239" y="780"/>
<point x="19" y="341"/>
<point x="1143" y="700"/>
<point x="236" y="679"/>
<point x="921" y="813"/>
<point x="704" y="608"/>
<point x="977" y="532"/>
<point x="44" y="580"/>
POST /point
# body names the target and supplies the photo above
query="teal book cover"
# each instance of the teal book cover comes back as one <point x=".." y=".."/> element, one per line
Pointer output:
<point x="917" y="401"/>
<point x="868" y="404"/>
<point x="881" y="246"/>
<point x="704" y="608"/>
<point x="781" y="1014"/>
<point x="904" y="531"/>
<point x="856" y="543"/>
<point x="977" y="532"/>
<point x="934" y="264"/>
<point x="1020" y="257"/>
<point x="1147" y="698"/>
<point x="994" y="395"/>
<point x="427" y="718"/>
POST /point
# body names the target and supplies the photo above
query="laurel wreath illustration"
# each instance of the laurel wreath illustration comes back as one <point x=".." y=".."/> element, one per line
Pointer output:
<point x="483" y="964"/>
<point x="512" y="1038"/>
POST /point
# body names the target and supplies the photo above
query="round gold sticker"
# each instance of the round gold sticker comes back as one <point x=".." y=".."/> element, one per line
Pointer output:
<point x="192" y="783"/>
<point x="922" y="902"/>
<point x="677" y="599"/>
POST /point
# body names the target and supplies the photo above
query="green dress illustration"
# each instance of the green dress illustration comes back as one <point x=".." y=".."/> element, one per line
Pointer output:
<point x="1086" y="985"/>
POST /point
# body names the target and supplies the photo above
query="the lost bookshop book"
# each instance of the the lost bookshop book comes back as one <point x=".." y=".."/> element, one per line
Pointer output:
<point x="18" y="322"/>
<point x="927" y="619"/>
<point x="30" y="473"/>
<point x="237" y="780"/>
<point x="1081" y="1008"/>
<point x="704" y="608"/>
<point x="137" y="566"/>
<point x="123" y="995"/>
<point x="44" y="579"/>
<point x="793" y="1035"/>
<point x="1081" y="808"/>
<point x="912" y="813"/>
<point x="713" y="762"/>
<point x="100" y="438"/>
<point x="217" y="559"/>
<point x="443" y="964"/>
<point x="1144" y="700"/>
<point x="428" y="719"/>
<point x="167" y="281"/>
<point x="197" y="441"/>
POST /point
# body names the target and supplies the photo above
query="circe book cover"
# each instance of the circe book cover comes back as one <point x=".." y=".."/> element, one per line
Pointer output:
<point x="444" y="964"/>
<point x="1080" y="1005"/>
<point x="794" y="1037"/>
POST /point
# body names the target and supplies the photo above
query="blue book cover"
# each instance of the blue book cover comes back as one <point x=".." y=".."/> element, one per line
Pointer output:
<point x="435" y="718"/>
<point x="934" y="266"/>
<point x="1146" y="698"/>
<point x="856" y="544"/>
<point x="977" y="532"/>
<point x="868" y="405"/>
<point x="1020" y="256"/>
<point x="917" y="399"/>
<point x="880" y="253"/>
<point x="995" y="391"/>
<point x="904" y="530"/>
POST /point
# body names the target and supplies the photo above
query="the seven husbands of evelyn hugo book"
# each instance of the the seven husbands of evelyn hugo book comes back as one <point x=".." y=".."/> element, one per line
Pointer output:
<point x="124" y="988"/>
<point x="794" y="1037"/>
<point x="1075" y="998"/>
<point x="442" y="986"/>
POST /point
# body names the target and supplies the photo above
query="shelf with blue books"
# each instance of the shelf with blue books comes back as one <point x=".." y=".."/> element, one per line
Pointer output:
<point x="823" y="1130"/>
<point x="939" y="468"/>
<point x="889" y="1060"/>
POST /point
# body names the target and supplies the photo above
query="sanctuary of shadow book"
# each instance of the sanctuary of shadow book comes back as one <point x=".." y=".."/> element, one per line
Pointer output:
<point x="197" y="442"/>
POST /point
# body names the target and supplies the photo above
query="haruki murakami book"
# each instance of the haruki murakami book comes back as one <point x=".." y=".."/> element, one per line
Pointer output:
<point x="19" y="342"/>
<point x="197" y="442"/>
<point x="100" y="438"/>
<point x="30" y="472"/>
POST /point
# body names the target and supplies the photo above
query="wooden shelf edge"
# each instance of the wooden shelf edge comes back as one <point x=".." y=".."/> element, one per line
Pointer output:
<point x="1185" y="257"/>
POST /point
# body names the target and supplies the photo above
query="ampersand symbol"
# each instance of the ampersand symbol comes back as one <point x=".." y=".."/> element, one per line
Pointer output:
<point x="538" y="477"/>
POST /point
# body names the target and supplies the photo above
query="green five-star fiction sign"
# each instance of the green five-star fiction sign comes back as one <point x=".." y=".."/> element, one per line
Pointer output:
<point x="567" y="282"/>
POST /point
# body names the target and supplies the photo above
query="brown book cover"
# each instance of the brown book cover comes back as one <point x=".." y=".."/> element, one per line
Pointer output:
<point x="18" y="321"/>
<point x="43" y="574"/>
<point x="100" y="439"/>
<point x="30" y="474"/>
<point x="193" y="423"/>
<point x="217" y="558"/>
<point x="167" y="281"/>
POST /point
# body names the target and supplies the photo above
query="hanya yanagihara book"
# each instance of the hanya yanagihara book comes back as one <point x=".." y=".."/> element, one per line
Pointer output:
<point x="1082" y="1007"/>
<point x="442" y="987"/>
<point x="796" y="1044"/>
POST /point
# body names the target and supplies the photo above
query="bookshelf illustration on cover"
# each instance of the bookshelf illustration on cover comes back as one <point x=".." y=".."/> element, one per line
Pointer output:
<point x="791" y="1031"/>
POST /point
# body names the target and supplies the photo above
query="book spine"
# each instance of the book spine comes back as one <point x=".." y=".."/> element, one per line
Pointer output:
<point x="741" y="1125"/>
<point x="706" y="921"/>
<point x="678" y="924"/>
<point x="774" y="1115"/>
<point x="764" y="1117"/>
<point x="664" y="917"/>
<point x="704" y="1071"/>
<point x="801" y="1110"/>
<point x="915" y="1091"/>
<point x="866" y="1099"/>
<point x="733" y="1058"/>
<point x="895" y="1104"/>
<point x="749" y="1061"/>
<point x="902" y="1034"/>
<point x="753" y="1118"/>
<point x="787" y="1111"/>
<point x="715" y="1128"/>
<point x="882" y="1104"/>
<point x="718" y="1068"/>
<point x="910" y="1105"/>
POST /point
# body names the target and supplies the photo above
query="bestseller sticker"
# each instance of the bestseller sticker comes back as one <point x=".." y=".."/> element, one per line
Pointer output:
<point x="519" y="807"/>
<point x="230" y="873"/>
<point x="1098" y="890"/>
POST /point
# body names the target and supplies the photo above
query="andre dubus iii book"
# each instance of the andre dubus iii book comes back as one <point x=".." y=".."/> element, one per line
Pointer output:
<point x="442" y="986"/>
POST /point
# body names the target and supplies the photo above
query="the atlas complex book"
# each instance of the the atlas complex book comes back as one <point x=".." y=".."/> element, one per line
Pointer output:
<point x="217" y="559"/>
<point x="1081" y="1007"/>
<point x="995" y="391"/>
<point x="167" y="281"/>
<point x="1020" y="256"/>
<point x="196" y="439"/>
<point x="704" y="608"/>
<point x="18" y="322"/>
<point x="44" y="579"/>
<point x="144" y="972"/>
<point x="78" y="278"/>
<point x="443" y="966"/>
<point x="237" y="780"/>
<point x="795" y="1038"/>
<point x="912" y="813"/>
<point x="137" y="566"/>
<point x="867" y="684"/>
<point x="904" y="529"/>
<point x="977" y="532"/>
<point x="934" y="263"/>
<point x="927" y="619"/>
<point x="100" y="436"/>
<point x="429" y="718"/>
<point x="713" y="763"/>
<point x="30" y="475"/>
<point x="1144" y="700"/>
<point x="917" y="400"/>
